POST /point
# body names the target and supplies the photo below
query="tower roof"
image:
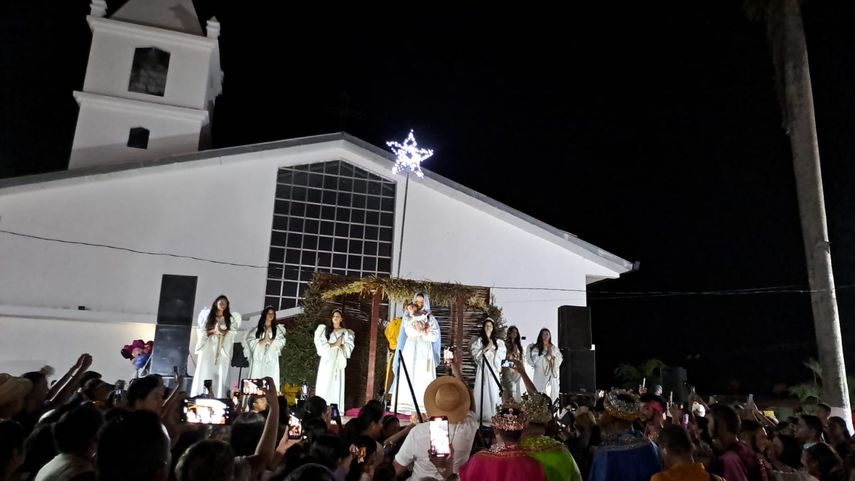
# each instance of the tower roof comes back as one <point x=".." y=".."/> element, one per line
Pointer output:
<point x="177" y="15"/>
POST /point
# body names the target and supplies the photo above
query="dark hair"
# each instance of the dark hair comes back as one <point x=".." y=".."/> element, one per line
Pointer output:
<point x="212" y="314"/>
<point x="829" y="463"/>
<point x="371" y="413"/>
<point x="750" y="428"/>
<point x="327" y="450"/>
<point x="39" y="447"/>
<point x="813" y="423"/>
<point x="313" y="428"/>
<point x="314" y="407"/>
<point x="356" y="466"/>
<point x="824" y="407"/>
<point x="259" y="331"/>
<point x="78" y="429"/>
<point x="539" y="343"/>
<point x="246" y="431"/>
<point x="516" y="342"/>
<point x="207" y="460"/>
<point x="842" y="423"/>
<point x="133" y="447"/>
<point x="34" y="376"/>
<point x="141" y="387"/>
<point x="482" y="333"/>
<point x="675" y="439"/>
<point x="791" y="454"/>
<point x="329" y="323"/>
<point x="311" y="472"/>
<point x="725" y="417"/>
<point x="12" y="437"/>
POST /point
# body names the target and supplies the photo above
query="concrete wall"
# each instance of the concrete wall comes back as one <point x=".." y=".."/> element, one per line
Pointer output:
<point x="221" y="209"/>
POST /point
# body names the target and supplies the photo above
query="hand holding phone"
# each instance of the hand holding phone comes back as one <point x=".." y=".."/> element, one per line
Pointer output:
<point x="254" y="387"/>
<point x="508" y="363"/>
<point x="201" y="410"/>
<point x="295" y="427"/>
<point x="440" y="446"/>
<point x="334" y="414"/>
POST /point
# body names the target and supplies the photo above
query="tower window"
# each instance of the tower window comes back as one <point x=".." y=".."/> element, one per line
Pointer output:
<point x="148" y="73"/>
<point x="138" y="138"/>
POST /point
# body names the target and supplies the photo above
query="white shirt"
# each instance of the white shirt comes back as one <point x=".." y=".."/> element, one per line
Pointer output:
<point x="414" y="452"/>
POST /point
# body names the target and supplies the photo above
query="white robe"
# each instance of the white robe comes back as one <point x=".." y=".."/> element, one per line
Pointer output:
<point x="546" y="369"/>
<point x="214" y="356"/>
<point x="511" y="379"/>
<point x="494" y="356"/>
<point x="419" y="359"/>
<point x="264" y="358"/>
<point x="330" y="382"/>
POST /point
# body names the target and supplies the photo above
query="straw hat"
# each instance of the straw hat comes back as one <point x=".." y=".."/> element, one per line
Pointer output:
<point x="447" y="396"/>
<point x="12" y="388"/>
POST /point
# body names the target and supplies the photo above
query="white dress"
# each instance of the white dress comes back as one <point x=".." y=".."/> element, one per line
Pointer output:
<point x="494" y="357"/>
<point x="330" y="382"/>
<point x="264" y="358"/>
<point x="419" y="359"/>
<point x="214" y="355"/>
<point x="511" y="380"/>
<point x="546" y="369"/>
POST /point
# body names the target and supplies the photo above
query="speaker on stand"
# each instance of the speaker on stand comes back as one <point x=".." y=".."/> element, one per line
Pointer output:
<point x="174" y="321"/>
<point x="578" y="373"/>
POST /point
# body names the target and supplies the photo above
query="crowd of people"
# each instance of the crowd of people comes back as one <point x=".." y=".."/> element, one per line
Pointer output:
<point x="81" y="428"/>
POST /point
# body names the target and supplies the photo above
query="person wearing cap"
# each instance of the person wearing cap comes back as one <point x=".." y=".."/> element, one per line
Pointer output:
<point x="505" y="460"/>
<point x="624" y="453"/>
<point x="554" y="457"/>
<point x="445" y="396"/>
<point x="13" y="390"/>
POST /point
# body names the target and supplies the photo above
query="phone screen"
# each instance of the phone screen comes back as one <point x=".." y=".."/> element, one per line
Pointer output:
<point x="334" y="411"/>
<point x="507" y="363"/>
<point x="439" y="444"/>
<point x="253" y="387"/>
<point x="207" y="411"/>
<point x="295" y="427"/>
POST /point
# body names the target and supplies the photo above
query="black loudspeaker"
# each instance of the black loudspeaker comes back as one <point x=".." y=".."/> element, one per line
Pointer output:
<point x="238" y="357"/>
<point x="174" y="318"/>
<point x="579" y="371"/>
<point x="177" y="298"/>
<point x="674" y="380"/>
<point x="574" y="328"/>
<point x="171" y="346"/>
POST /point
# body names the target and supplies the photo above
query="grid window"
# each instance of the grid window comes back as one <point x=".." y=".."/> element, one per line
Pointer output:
<point x="329" y="217"/>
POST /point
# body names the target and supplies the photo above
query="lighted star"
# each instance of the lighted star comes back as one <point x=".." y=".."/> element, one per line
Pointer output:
<point x="409" y="156"/>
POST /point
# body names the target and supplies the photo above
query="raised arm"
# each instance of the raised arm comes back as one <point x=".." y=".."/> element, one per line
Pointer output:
<point x="266" y="446"/>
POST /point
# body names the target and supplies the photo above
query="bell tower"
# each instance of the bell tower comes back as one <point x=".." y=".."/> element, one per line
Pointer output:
<point x="151" y="82"/>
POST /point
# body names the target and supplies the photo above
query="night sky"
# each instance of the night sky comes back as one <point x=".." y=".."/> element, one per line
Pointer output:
<point x="651" y="131"/>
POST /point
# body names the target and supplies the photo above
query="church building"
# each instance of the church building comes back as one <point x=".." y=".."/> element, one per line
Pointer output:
<point x="83" y="252"/>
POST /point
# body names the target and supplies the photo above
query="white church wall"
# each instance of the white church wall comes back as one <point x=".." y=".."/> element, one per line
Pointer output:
<point x="103" y="128"/>
<point x="222" y="209"/>
<point x="112" y="53"/>
<point x="29" y="344"/>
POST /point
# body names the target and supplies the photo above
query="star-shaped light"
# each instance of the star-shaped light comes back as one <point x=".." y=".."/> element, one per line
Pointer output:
<point x="409" y="155"/>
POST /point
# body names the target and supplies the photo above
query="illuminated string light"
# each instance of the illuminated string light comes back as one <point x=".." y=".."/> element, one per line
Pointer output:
<point x="409" y="156"/>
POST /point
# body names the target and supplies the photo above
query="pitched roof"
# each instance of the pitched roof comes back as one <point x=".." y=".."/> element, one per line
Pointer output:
<point x="177" y="15"/>
<point x="525" y="221"/>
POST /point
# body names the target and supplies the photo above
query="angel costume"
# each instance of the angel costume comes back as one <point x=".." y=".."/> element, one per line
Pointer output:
<point x="330" y="382"/>
<point x="546" y="366"/>
<point x="491" y="397"/>
<point x="418" y="355"/>
<point x="264" y="358"/>
<point x="214" y="354"/>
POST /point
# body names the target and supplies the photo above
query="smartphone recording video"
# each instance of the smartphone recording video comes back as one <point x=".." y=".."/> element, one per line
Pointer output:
<point x="334" y="414"/>
<point x="439" y="443"/>
<point x="253" y="387"/>
<point x="295" y="427"/>
<point x="507" y="363"/>
<point x="207" y="411"/>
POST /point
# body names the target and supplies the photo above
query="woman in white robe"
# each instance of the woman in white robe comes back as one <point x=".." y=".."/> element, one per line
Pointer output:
<point x="487" y="347"/>
<point x="216" y="328"/>
<point x="422" y="330"/>
<point x="263" y="346"/>
<point x="511" y="379"/>
<point x="334" y="344"/>
<point x="545" y="358"/>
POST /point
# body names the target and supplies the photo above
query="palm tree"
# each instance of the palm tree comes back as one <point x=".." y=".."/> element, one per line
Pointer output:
<point x="786" y="37"/>
<point x="631" y="376"/>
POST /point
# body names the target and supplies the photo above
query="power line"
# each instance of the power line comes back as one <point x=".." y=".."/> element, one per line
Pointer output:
<point x="593" y="295"/>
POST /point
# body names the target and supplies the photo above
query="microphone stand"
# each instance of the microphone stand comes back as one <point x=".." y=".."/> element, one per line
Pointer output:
<point x="401" y="364"/>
